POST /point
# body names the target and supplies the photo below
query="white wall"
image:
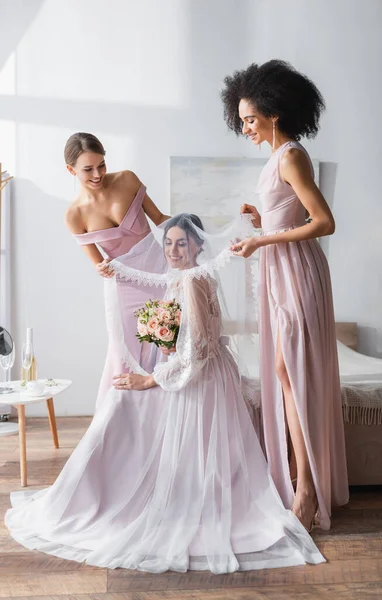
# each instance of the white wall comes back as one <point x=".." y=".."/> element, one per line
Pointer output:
<point x="145" y="77"/>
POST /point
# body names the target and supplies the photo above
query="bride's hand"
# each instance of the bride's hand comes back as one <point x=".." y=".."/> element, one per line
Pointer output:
<point x="247" y="247"/>
<point x="249" y="209"/>
<point x="167" y="351"/>
<point x="103" y="268"/>
<point x="132" y="381"/>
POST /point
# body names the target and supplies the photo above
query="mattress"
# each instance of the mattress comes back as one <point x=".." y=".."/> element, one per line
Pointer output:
<point x="361" y="383"/>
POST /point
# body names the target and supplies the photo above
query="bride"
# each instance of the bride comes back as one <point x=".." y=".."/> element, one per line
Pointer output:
<point x="170" y="474"/>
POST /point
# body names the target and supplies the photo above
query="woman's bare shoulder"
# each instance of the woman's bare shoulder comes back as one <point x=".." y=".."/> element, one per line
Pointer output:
<point x="295" y="158"/>
<point x="125" y="178"/>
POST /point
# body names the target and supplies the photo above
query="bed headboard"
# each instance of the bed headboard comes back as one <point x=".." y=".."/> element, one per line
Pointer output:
<point x="347" y="333"/>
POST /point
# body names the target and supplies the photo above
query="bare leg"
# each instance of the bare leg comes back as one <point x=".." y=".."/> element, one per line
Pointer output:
<point x="305" y="502"/>
<point x="292" y="462"/>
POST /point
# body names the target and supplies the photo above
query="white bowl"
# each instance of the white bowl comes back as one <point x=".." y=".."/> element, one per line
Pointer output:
<point x="35" y="387"/>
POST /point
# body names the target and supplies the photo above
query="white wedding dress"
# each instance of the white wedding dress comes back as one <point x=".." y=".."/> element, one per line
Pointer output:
<point x="172" y="477"/>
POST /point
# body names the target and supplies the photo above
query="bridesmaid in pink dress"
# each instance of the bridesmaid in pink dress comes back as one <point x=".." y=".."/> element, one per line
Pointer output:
<point x="109" y="215"/>
<point x="299" y="368"/>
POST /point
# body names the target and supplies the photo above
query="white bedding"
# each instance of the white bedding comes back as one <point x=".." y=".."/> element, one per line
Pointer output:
<point x="358" y="368"/>
<point x="361" y="383"/>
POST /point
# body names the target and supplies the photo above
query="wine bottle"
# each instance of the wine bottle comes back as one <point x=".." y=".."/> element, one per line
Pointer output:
<point x="31" y="373"/>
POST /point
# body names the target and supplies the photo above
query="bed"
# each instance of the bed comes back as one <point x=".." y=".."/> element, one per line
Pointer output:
<point x="361" y="387"/>
<point x="361" y="391"/>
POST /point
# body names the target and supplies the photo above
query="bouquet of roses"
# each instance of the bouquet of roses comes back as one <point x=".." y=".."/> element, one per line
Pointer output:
<point x="159" y="322"/>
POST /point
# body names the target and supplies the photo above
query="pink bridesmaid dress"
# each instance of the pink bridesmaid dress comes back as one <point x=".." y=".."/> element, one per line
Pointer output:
<point x="135" y="246"/>
<point x="295" y="300"/>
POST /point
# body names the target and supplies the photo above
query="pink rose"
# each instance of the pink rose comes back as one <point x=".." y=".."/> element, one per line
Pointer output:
<point x="165" y="316"/>
<point x="142" y="328"/>
<point x="160" y="314"/>
<point x="165" y="334"/>
<point x="178" y="315"/>
<point x="152" y="325"/>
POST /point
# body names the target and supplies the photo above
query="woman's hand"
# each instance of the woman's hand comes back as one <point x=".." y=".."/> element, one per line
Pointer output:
<point x="132" y="381"/>
<point x="248" y="209"/>
<point x="167" y="351"/>
<point x="247" y="247"/>
<point x="103" y="268"/>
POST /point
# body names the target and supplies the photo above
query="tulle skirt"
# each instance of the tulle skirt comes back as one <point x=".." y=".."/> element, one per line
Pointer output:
<point x="167" y="480"/>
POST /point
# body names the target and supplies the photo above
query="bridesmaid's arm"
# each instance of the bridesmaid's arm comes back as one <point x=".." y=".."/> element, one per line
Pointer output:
<point x="100" y="263"/>
<point x="150" y="208"/>
<point x="153" y="212"/>
<point x="295" y="170"/>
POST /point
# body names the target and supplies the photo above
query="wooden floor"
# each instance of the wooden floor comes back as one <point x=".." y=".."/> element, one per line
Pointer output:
<point x="353" y="548"/>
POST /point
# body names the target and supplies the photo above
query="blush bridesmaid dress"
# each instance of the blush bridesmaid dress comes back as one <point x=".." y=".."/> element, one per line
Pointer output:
<point x="133" y="244"/>
<point x="295" y="302"/>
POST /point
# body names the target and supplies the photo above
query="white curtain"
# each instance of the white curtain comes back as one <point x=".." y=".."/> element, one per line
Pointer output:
<point x="5" y="267"/>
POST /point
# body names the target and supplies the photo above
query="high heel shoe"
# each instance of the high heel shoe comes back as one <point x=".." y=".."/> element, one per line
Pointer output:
<point x="313" y="521"/>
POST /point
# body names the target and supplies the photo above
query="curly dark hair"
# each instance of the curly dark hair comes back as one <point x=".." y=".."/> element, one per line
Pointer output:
<point x="275" y="89"/>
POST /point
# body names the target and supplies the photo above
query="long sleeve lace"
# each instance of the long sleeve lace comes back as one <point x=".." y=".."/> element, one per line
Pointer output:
<point x="198" y="336"/>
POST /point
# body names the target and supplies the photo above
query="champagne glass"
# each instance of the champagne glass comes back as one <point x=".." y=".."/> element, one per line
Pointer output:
<point x="6" y="363"/>
<point x="27" y="356"/>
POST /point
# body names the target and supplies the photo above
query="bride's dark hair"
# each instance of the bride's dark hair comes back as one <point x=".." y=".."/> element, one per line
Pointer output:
<point x="186" y="222"/>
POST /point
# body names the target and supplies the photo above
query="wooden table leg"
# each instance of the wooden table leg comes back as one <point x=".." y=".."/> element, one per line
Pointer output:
<point x="23" y="444"/>
<point x="52" y="422"/>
